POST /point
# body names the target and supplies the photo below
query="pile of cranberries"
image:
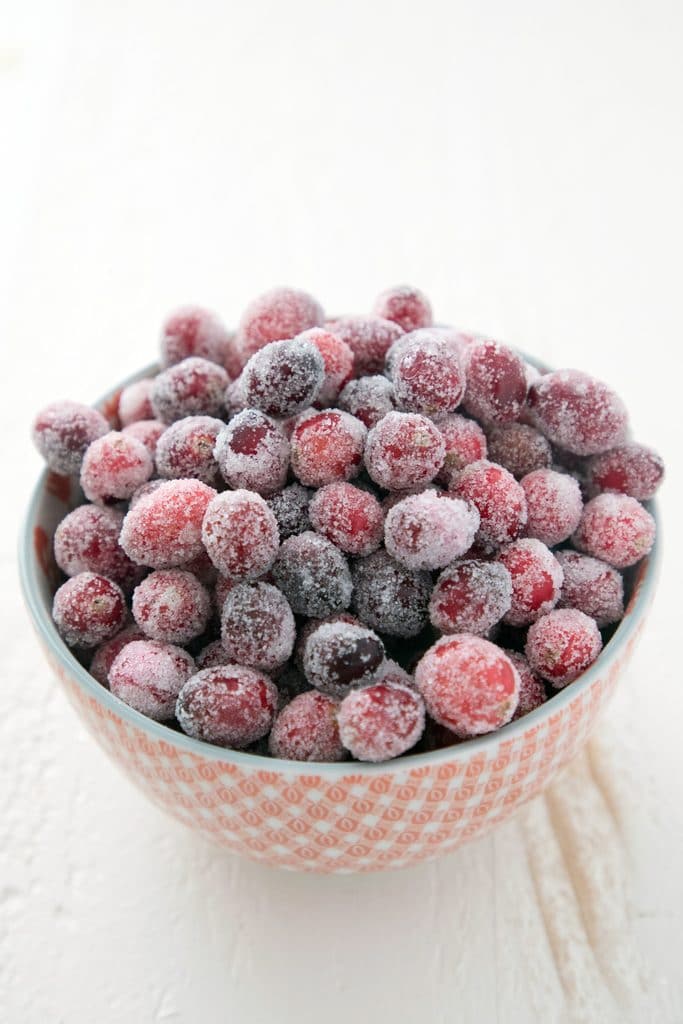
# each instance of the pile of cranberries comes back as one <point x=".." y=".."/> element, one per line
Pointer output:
<point x="322" y="538"/>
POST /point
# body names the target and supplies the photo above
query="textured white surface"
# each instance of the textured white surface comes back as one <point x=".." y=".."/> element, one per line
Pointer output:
<point x="522" y="163"/>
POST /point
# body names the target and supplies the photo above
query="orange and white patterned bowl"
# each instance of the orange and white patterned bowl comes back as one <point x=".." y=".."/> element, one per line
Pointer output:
<point x="342" y="817"/>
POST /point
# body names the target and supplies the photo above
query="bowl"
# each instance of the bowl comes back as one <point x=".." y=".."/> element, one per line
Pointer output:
<point x="343" y="817"/>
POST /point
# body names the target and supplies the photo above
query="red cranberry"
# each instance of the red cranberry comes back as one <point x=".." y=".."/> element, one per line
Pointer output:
<point x="114" y="466"/>
<point x="195" y="387"/>
<point x="88" y="609"/>
<point x="498" y="497"/>
<point x="230" y="706"/>
<point x="147" y="432"/>
<point x="185" y="449"/>
<point x="465" y="442"/>
<point x="87" y="540"/>
<point x="406" y="306"/>
<point x="164" y="527"/>
<point x="369" y="338"/>
<point x="276" y="315"/>
<point x="578" y="412"/>
<point x="404" y="450"/>
<point x="313" y="575"/>
<point x="531" y="689"/>
<point x="134" y="402"/>
<point x="148" y="676"/>
<point x="389" y="597"/>
<point x="496" y="382"/>
<point x="554" y="505"/>
<point x="306" y="730"/>
<point x="234" y="398"/>
<point x="171" y="605"/>
<point x="536" y="580"/>
<point x="284" y="377"/>
<point x="592" y="586"/>
<point x="327" y="447"/>
<point x="427" y="531"/>
<point x="521" y="449"/>
<point x="616" y="529"/>
<point x="105" y="654"/>
<point x="368" y="399"/>
<point x="63" y="431"/>
<point x="350" y="518"/>
<point x="561" y="645"/>
<point x="382" y="721"/>
<point x="193" y="331"/>
<point x="257" y="626"/>
<point x="337" y="358"/>
<point x="253" y="453"/>
<point x="240" y="534"/>
<point x="339" y="656"/>
<point x="428" y="376"/>
<point x="212" y="656"/>
<point x="470" y="597"/>
<point x="631" y="469"/>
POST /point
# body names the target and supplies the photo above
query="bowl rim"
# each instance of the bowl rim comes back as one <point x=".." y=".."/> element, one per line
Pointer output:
<point x="485" y="744"/>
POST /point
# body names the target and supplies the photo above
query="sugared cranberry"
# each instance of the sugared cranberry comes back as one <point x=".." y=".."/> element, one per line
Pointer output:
<point x="193" y="331"/>
<point x="284" y="377"/>
<point x="369" y="338"/>
<point x="496" y="382"/>
<point x="306" y="730"/>
<point x="531" y="689"/>
<point x="592" y="586"/>
<point x="498" y="497"/>
<point x="470" y="597"/>
<point x="313" y="575"/>
<point x="212" y="656"/>
<point x="616" y="529"/>
<point x="309" y="627"/>
<point x="391" y="672"/>
<point x="406" y="306"/>
<point x="290" y="508"/>
<point x="468" y="684"/>
<point x="114" y="466"/>
<point x="234" y="398"/>
<point x="327" y="447"/>
<point x="561" y="645"/>
<point x="339" y="656"/>
<point x="578" y="412"/>
<point x="148" y="676"/>
<point x="63" y="431"/>
<point x="222" y="588"/>
<point x="185" y="449"/>
<point x="389" y="597"/>
<point x="382" y="721"/>
<point x="194" y="387"/>
<point x="230" y="706"/>
<point x="88" y="609"/>
<point x="521" y="449"/>
<point x="134" y="402"/>
<point x="253" y="452"/>
<point x="147" y="432"/>
<point x="349" y="517"/>
<point x="368" y="399"/>
<point x="203" y="568"/>
<point x="105" y="655"/>
<point x="338" y="362"/>
<point x="87" y="540"/>
<point x="171" y="605"/>
<point x="427" y="531"/>
<point x="536" y="580"/>
<point x="404" y="450"/>
<point x="631" y="469"/>
<point x="278" y="314"/>
<point x="257" y="626"/>
<point x="428" y="376"/>
<point x="240" y="534"/>
<point x="554" y="505"/>
<point x="465" y="442"/>
<point x="163" y="528"/>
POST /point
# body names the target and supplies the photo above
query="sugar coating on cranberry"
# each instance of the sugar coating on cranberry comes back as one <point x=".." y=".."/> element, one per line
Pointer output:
<point x="257" y="626"/>
<point x="389" y="597"/>
<point x="616" y="529"/>
<point x="578" y="412"/>
<point x="284" y="377"/>
<point x="632" y="469"/>
<point x="240" y="534"/>
<point x="349" y="517"/>
<point x="234" y="398"/>
<point x="554" y="505"/>
<point x="230" y="705"/>
<point x="203" y="568"/>
<point x="212" y="656"/>
<point x="427" y="531"/>
<point x="521" y="449"/>
<point x="171" y="605"/>
<point x="406" y="306"/>
<point x="468" y="684"/>
<point x="340" y="655"/>
<point x="428" y="376"/>
<point x="381" y="721"/>
<point x="87" y="540"/>
<point x="496" y="382"/>
<point x="88" y="609"/>
<point x="185" y="449"/>
<point x="337" y="360"/>
<point x="290" y="508"/>
<point x="499" y="499"/>
<point x="536" y="580"/>
<point x="369" y="338"/>
<point x="147" y="432"/>
<point x="195" y="387"/>
<point x="561" y="645"/>
<point x="531" y="689"/>
<point x="105" y="654"/>
<point x="307" y="730"/>
<point x="193" y="331"/>
<point x="326" y="447"/>
<point x="134" y="402"/>
<point x="62" y="432"/>
<point x="592" y="586"/>
<point x="113" y="467"/>
<point x="148" y="676"/>
<point x="470" y="597"/>
<point x="163" y="528"/>
<point x="404" y="450"/>
<point x="313" y="575"/>
<point x="277" y="314"/>
<point x="252" y="452"/>
<point x="464" y="441"/>
<point x="143" y="490"/>
<point x="368" y="399"/>
<point x="309" y="627"/>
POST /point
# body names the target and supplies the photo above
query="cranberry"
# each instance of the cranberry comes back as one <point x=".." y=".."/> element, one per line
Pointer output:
<point x="498" y="497"/>
<point x="350" y="518"/>
<point x="240" y="534"/>
<point x="404" y="450"/>
<point x="554" y="505"/>
<point x="468" y="684"/>
<point x="521" y="449"/>
<point x="195" y="387"/>
<point x="562" y="644"/>
<point x="337" y="359"/>
<point x="234" y="398"/>
<point x="193" y="331"/>
<point x="631" y="469"/>
<point x="578" y="412"/>
<point x="309" y="627"/>
<point x="185" y="449"/>
<point x="382" y="721"/>
<point x="171" y="605"/>
<point x="212" y="656"/>
<point x="406" y="306"/>
<point x="536" y="580"/>
<point x="496" y="382"/>
<point x="290" y="508"/>
<point x="389" y="597"/>
<point x="428" y="376"/>
<point x="284" y="378"/>
<point x="229" y="705"/>
<point x="134" y="402"/>
<point x="470" y="597"/>
<point x="148" y="675"/>
<point x="465" y="442"/>
<point x="339" y="656"/>
<point x="306" y="730"/>
<point x="87" y="540"/>
<point x="164" y="527"/>
<point x="327" y="447"/>
<point x="368" y="399"/>
<point x="114" y="466"/>
<point x="257" y="626"/>
<point x="369" y="338"/>
<point x="276" y="315"/>
<point x="147" y="432"/>
<point x="313" y="575"/>
<point x="88" y="609"/>
<point x="531" y="689"/>
<point x="592" y="586"/>
<point x="391" y="672"/>
<point x="616" y="529"/>
<point x="253" y="453"/>
<point x="427" y="531"/>
<point x="104" y="655"/>
<point x="63" y="431"/>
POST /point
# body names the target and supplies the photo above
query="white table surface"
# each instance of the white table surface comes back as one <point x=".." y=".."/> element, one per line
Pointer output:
<point x="521" y="162"/>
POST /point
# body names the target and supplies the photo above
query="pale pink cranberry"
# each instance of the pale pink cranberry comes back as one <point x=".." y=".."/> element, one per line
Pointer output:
<point x="381" y="721"/>
<point x="230" y="705"/>
<point x="88" y="609"/>
<point x="306" y="729"/>
<point x="561" y="645"/>
<point x="114" y="466"/>
<point x="148" y="676"/>
<point x="195" y="387"/>
<point x="554" y="505"/>
<point x="134" y="402"/>
<point x="592" y="586"/>
<point x="578" y="412"/>
<point x="536" y="580"/>
<point x="163" y="528"/>
<point x="427" y="531"/>
<point x="369" y="338"/>
<point x="62" y="432"/>
<point x="616" y="529"/>
<point x="105" y="654"/>
<point x="240" y="534"/>
<point x="193" y="331"/>
<point x="470" y="597"/>
<point x="428" y="376"/>
<point x="171" y="605"/>
<point x="276" y="315"/>
<point x="147" y="432"/>
<point x="406" y="306"/>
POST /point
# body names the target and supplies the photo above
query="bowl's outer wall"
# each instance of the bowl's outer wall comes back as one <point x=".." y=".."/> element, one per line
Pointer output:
<point x="327" y="818"/>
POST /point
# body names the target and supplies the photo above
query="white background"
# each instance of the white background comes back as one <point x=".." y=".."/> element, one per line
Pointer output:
<point x="522" y="162"/>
